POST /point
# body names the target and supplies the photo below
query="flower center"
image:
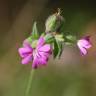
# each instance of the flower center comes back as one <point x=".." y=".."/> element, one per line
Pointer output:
<point x="34" y="52"/>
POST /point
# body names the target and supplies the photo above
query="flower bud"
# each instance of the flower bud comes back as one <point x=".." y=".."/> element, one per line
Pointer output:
<point x="54" y="22"/>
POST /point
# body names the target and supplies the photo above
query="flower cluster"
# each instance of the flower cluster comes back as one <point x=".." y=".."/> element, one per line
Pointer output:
<point x="37" y="48"/>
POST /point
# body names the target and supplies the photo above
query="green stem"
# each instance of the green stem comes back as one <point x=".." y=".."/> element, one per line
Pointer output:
<point x="29" y="83"/>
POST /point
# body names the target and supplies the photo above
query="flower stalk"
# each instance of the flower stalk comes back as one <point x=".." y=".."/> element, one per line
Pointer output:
<point x="27" y="91"/>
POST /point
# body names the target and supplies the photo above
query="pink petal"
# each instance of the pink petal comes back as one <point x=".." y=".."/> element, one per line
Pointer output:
<point x="35" y="63"/>
<point x="88" y="46"/>
<point x="44" y="55"/>
<point x="41" y="42"/>
<point x="23" y="51"/>
<point x="27" y="59"/>
<point x="27" y="44"/>
<point x="82" y="47"/>
<point x="85" y="43"/>
<point x="45" y="48"/>
<point x="42" y="61"/>
<point x="40" y="58"/>
<point x="83" y="51"/>
<point x="38" y="62"/>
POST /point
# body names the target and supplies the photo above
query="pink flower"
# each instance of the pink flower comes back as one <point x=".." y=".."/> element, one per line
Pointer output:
<point x="38" y="55"/>
<point x="41" y="53"/>
<point x="26" y="52"/>
<point x="84" y="44"/>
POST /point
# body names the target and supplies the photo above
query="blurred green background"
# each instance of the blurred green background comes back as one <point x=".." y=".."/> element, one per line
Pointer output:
<point x="71" y="75"/>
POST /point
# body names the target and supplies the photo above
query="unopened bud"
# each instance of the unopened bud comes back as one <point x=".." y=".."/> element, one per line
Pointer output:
<point x="54" y="22"/>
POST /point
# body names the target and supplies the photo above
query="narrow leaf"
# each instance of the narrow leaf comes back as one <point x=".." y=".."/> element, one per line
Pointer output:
<point x="56" y="49"/>
<point x="71" y="38"/>
<point x="34" y="33"/>
<point x="60" y="46"/>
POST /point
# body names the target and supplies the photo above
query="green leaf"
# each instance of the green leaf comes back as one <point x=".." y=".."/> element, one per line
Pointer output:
<point x="71" y="38"/>
<point x="29" y="39"/>
<point x="59" y="38"/>
<point x="58" y="48"/>
<point x="35" y="34"/>
<point x="49" y="38"/>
